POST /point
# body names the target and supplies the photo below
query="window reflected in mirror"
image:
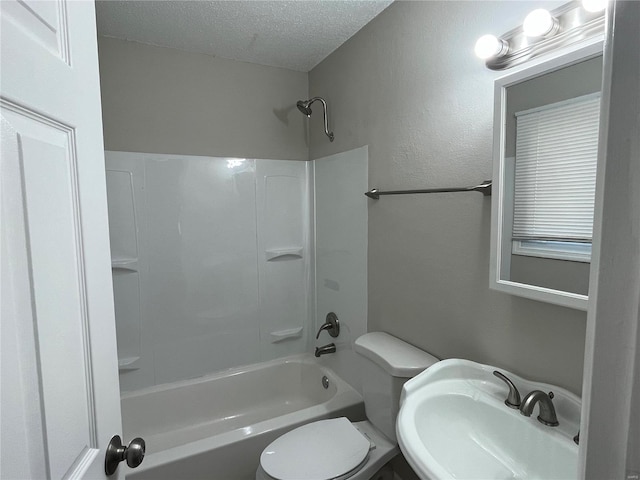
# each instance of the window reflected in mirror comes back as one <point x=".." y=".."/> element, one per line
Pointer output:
<point x="550" y="155"/>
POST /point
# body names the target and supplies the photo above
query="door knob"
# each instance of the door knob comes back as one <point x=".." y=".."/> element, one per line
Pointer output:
<point x="116" y="453"/>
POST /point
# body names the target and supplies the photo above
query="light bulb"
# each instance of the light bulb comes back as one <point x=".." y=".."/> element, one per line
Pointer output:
<point x="594" y="5"/>
<point x="489" y="46"/>
<point x="538" y="23"/>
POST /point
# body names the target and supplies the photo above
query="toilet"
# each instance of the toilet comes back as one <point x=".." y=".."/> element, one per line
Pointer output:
<point x="337" y="449"/>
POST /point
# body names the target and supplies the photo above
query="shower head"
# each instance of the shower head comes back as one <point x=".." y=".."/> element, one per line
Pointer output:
<point x="305" y="107"/>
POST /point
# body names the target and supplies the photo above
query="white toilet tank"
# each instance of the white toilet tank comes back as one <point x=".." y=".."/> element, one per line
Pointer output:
<point x="387" y="363"/>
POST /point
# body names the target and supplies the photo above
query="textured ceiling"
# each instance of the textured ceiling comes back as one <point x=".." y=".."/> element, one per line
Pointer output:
<point x="291" y="34"/>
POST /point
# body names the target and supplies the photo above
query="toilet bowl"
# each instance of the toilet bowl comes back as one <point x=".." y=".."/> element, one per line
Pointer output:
<point x="337" y="449"/>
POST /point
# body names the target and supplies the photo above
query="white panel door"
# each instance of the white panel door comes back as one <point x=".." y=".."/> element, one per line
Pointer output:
<point x="60" y="396"/>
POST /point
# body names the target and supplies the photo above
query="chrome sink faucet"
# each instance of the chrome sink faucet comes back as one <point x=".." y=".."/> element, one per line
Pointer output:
<point x="547" y="411"/>
<point x="330" y="348"/>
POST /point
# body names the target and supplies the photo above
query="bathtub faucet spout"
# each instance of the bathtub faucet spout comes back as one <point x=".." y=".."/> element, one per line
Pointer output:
<point x="330" y="348"/>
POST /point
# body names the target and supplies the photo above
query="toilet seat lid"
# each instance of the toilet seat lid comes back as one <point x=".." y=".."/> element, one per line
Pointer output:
<point x="320" y="450"/>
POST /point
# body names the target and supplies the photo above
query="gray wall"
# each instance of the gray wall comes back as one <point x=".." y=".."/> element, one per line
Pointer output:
<point x="409" y="86"/>
<point x="161" y="100"/>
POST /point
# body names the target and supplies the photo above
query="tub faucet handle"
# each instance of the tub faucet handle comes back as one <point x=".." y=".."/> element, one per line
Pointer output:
<point x="332" y="325"/>
<point x="513" y="399"/>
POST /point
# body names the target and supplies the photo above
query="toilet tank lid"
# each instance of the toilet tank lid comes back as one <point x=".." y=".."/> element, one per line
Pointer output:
<point x="398" y="358"/>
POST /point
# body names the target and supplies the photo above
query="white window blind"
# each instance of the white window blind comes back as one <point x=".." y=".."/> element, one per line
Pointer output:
<point x="555" y="173"/>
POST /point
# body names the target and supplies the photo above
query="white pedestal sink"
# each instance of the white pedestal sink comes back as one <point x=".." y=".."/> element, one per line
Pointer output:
<point x="454" y="424"/>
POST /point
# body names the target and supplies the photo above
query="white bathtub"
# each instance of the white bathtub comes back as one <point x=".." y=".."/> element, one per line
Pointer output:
<point x="215" y="427"/>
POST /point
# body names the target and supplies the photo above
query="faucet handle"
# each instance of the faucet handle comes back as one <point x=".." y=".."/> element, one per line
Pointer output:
<point x="332" y="325"/>
<point x="513" y="399"/>
<point x="325" y="326"/>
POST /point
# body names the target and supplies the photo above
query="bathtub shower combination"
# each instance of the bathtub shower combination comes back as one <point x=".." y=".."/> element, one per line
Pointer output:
<point x="214" y="267"/>
<point x="216" y="426"/>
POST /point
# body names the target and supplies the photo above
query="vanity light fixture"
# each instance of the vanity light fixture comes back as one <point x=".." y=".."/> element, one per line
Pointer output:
<point x="543" y="32"/>
<point x="540" y="23"/>
<point x="490" y="46"/>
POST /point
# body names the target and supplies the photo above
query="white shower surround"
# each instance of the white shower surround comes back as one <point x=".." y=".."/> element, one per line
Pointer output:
<point x="221" y="422"/>
<point x="212" y="263"/>
<point x="341" y="223"/>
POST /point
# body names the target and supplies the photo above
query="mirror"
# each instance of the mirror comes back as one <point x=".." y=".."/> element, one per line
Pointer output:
<point x="546" y="124"/>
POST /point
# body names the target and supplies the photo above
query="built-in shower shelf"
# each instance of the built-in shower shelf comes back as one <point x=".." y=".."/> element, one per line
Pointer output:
<point x="288" y="334"/>
<point x="130" y="264"/>
<point x="127" y="364"/>
<point x="283" y="253"/>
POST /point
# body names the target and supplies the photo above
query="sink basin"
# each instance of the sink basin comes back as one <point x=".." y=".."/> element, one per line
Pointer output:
<point x="453" y="424"/>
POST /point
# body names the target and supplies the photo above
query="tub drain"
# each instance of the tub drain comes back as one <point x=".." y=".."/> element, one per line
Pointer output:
<point x="325" y="381"/>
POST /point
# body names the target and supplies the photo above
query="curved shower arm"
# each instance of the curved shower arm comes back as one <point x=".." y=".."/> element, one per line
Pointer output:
<point x="326" y="119"/>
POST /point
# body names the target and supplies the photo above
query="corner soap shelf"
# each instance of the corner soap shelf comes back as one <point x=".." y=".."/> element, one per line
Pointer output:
<point x="288" y="334"/>
<point x="127" y="266"/>
<point x="281" y="253"/>
<point x="130" y="264"/>
<point x="127" y="364"/>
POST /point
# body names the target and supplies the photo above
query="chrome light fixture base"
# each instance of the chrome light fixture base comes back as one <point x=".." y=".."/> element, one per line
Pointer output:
<point x="572" y="24"/>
